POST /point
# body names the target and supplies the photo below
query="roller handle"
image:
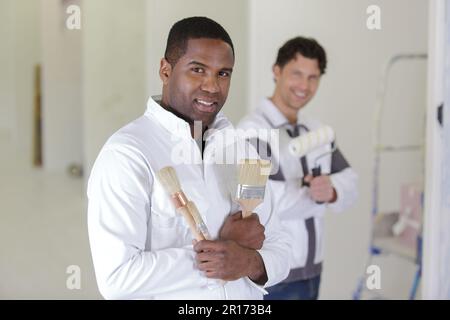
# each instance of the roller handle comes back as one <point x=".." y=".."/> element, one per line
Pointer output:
<point x="317" y="171"/>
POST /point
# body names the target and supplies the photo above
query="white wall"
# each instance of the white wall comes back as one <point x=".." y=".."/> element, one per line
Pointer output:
<point x="437" y="201"/>
<point x="7" y="67"/>
<point x="346" y="100"/>
<point x="61" y="87"/>
<point x="113" y="73"/>
<point x="232" y="15"/>
<point x="123" y="43"/>
<point x="22" y="54"/>
<point x="433" y="220"/>
<point x="445" y="179"/>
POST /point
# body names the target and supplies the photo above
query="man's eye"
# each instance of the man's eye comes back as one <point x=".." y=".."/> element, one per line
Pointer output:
<point x="198" y="70"/>
<point x="224" y="74"/>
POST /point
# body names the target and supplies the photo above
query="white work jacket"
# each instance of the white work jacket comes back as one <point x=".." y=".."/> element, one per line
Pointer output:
<point x="292" y="200"/>
<point x="141" y="247"/>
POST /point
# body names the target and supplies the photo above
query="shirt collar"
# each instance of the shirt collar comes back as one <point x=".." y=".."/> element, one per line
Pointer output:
<point x="167" y="119"/>
<point x="272" y="114"/>
<point x="179" y="126"/>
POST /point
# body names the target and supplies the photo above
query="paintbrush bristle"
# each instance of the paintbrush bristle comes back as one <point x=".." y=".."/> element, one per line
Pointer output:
<point x="253" y="172"/>
<point x="168" y="178"/>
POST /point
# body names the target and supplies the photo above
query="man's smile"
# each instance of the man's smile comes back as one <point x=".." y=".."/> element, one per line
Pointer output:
<point x="205" y="105"/>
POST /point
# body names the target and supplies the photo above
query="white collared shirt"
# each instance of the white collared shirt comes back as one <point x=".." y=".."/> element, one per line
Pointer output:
<point x="292" y="201"/>
<point x="141" y="247"/>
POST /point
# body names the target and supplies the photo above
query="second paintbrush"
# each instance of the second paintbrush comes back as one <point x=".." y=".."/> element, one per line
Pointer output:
<point x="252" y="179"/>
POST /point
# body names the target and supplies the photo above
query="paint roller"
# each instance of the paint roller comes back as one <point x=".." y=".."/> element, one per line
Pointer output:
<point x="310" y="141"/>
<point x="304" y="144"/>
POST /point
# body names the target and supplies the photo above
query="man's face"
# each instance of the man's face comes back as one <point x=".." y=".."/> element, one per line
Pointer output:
<point x="297" y="82"/>
<point x="197" y="86"/>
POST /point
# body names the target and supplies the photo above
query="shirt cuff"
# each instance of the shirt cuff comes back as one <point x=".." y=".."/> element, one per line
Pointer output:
<point x="337" y="205"/>
<point x="268" y="265"/>
<point x="257" y="286"/>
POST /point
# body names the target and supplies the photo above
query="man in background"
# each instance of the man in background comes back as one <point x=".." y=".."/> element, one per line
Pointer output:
<point x="300" y="64"/>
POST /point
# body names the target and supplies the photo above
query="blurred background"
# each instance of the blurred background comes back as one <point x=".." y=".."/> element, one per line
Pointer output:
<point x="64" y="91"/>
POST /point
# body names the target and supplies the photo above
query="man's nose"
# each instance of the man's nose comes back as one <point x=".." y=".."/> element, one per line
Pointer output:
<point x="210" y="84"/>
<point x="303" y="84"/>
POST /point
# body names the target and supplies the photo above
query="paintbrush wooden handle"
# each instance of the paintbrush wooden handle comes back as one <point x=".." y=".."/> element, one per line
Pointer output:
<point x="184" y="211"/>
<point x="199" y="223"/>
<point x="246" y="214"/>
<point x="201" y="227"/>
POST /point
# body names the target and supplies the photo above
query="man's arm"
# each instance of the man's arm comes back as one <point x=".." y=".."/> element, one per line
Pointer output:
<point x="227" y="260"/>
<point x="234" y="255"/>
<point x="345" y="183"/>
<point x="276" y="251"/>
<point x="118" y="218"/>
<point x="321" y="189"/>
<point x="291" y="199"/>
<point x="248" y="232"/>
<point x="248" y="248"/>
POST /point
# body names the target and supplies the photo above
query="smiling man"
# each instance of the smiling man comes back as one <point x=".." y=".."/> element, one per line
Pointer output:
<point x="141" y="247"/>
<point x="201" y="76"/>
<point x="300" y="64"/>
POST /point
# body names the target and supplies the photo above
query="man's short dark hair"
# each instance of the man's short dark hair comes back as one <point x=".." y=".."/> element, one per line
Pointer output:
<point x="307" y="47"/>
<point x="192" y="28"/>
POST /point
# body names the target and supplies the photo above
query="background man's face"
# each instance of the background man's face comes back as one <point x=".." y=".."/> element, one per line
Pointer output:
<point x="197" y="86"/>
<point x="297" y="81"/>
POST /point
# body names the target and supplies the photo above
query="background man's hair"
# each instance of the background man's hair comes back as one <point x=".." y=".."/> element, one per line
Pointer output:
<point x="192" y="28"/>
<point x="307" y="47"/>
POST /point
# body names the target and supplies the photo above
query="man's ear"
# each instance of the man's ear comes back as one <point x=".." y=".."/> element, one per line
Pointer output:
<point x="276" y="72"/>
<point x="165" y="70"/>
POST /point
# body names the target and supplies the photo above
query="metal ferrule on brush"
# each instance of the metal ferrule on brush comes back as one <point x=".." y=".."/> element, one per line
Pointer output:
<point x="250" y="192"/>
<point x="179" y="199"/>
<point x="201" y="227"/>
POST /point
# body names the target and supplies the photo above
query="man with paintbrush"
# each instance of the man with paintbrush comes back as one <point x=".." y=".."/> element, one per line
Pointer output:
<point x="305" y="184"/>
<point x="158" y="184"/>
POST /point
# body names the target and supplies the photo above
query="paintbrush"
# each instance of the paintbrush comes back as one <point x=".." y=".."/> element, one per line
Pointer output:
<point x="188" y="209"/>
<point x="252" y="179"/>
<point x="168" y="178"/>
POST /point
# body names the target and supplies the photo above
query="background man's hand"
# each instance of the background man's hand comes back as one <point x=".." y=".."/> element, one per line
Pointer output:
<point x="229" y="261"/>
<point x="248" y="232"/>
<point x="321" y="189"/>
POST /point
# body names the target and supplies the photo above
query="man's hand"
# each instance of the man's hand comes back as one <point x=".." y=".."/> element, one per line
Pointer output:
<point x="248" y="232"/>
<point x="321" y="189"/>
<point x="229" y="261"/>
